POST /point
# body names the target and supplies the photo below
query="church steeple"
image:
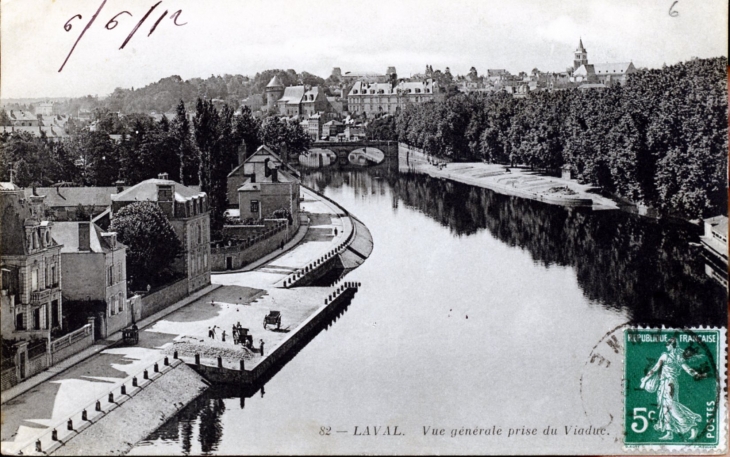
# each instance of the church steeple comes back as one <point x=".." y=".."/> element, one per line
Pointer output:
<point x="581" y="56"/>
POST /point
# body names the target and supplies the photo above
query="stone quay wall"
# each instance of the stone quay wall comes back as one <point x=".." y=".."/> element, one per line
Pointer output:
<point x="342" y="292"/>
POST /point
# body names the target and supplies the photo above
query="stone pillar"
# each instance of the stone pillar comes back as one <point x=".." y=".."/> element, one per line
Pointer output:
<point x="92" y="321"/>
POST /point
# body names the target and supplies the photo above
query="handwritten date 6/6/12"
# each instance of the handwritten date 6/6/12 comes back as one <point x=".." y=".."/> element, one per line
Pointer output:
<point x="114" y="22"/>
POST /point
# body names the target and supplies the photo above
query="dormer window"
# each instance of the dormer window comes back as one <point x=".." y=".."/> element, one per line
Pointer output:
<point x="354" y="91"/>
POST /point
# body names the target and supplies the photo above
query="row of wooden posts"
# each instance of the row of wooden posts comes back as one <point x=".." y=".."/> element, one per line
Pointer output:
<point x="294" y="278"/>
<point x="110" y="399"/>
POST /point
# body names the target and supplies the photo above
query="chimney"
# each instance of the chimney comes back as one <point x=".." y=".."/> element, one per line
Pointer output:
<point x="84" y="236"/>
<point x="242" y="153"/>
<point x="120" y="186"/>
<point x="284" y="153"/>
<point x="166" y="198"/>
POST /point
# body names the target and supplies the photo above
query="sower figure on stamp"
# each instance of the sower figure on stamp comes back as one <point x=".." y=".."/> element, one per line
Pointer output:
<point x="672" y="417"/>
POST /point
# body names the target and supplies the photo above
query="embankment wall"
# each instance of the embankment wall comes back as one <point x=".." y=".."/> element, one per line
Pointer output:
<point x="119" y="430"/>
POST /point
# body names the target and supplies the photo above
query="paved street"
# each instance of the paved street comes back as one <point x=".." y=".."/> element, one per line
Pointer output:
<point x="245" y="297"/>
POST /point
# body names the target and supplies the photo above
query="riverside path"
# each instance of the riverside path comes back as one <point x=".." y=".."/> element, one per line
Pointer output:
<point x="243" y="296"/>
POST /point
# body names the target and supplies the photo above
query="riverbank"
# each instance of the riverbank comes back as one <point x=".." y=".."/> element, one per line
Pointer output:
<point x="117" y="431"/>
<point x="519" y="182"/>
<point x="241" y="297"/>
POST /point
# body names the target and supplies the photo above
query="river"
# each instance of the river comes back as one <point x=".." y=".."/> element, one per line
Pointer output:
<point x="476" y="310"/>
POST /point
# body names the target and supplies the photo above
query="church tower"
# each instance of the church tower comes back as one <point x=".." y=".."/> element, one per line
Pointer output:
<point x="274" y="91"/>
<point x="581" y="56"/>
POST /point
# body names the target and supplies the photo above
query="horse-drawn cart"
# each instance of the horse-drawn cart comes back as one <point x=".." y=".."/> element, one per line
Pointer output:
<point x="242" y="337"/>
<point x="131" y="335"/>
<point x="273" y="318"/>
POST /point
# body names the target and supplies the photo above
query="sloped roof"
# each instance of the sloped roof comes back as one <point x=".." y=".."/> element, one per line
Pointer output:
<point x="587" y="69"/>
<point x="74" y="196"/>
<point x="263" y="150"/>
<point x="147" y="191"/>
<point x="364" y="88"/>
<point x="8" y="187"/>
<point x="67" y="234"/>
<point x="719" y="224"/>
<point x="292" y="95"/>
<point x="497" y="72"/>
<point x="275" y="82"/>
<point x="592" y="86"/>
<point x="611" y="68"/>
<point x="51" y="132"/>
<point x="19" y="115"/>
<point x="283" y="177"/>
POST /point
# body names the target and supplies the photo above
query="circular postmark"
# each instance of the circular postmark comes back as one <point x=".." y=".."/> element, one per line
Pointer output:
<point x="634" y="385"/>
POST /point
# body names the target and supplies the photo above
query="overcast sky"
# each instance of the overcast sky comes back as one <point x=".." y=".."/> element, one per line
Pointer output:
<point x="246" y="36"/>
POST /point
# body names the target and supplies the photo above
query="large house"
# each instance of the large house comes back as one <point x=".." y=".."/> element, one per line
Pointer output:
<point x="94" y="269"/>
<point x="386" y="98"/>
<point x="187" y="210"/>
<point x="263" y="186"/>
<point x="295" y="100"/>
<point x="31" y="267"/>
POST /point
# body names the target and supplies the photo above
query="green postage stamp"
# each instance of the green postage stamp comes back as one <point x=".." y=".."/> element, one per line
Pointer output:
<point x="673" y="389"/>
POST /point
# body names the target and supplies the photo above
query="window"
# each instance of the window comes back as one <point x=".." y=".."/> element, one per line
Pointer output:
<point x="205" y="260"/>
<point x="120" y="302"/>
<point x="254" y="206"/>
<point x="113" y="307"/>
<point x="53" y="275"/>
<point x="34" y="279"/>
<point x="200" y="235"/>
<point x="110" y="275"/>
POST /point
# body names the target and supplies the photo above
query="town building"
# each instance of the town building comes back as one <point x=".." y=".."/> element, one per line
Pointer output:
<point x="44" y="108"/>
<point x="20" y="118"/>
<point x="187" y="210"/>
<point x="30" y="260"/>
<point x="265" y="187"/>
<point x="386" y="98"/>
<point x="254" y="101"/>
<point x="51" y="132"/>
<point x="94" y="269"/>
<point x="76" y="203"/>
<point x="332" y="128"/>
<point x="314" y="127"/>
<point x="606" y="74"/>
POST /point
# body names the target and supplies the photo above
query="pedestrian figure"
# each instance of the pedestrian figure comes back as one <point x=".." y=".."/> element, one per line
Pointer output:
<point x="335" y="231"/>
<point x="210" y="333"/>
<point x="223" y="336"/>
<point x="261" y="345"/>
<point x="281" y="245"/>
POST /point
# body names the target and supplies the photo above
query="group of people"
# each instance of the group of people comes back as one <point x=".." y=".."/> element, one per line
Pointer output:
<point x="240" y="336"/>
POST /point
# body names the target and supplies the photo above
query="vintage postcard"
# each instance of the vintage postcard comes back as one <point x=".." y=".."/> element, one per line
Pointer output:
<point x="479" y="227"/>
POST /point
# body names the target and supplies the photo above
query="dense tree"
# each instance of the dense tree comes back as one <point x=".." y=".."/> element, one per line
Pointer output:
<point x="660" y="140"/>
<point x="152" y="245"/>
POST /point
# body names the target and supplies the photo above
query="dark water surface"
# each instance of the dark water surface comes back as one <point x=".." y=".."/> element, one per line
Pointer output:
<point x="476" y="309"/>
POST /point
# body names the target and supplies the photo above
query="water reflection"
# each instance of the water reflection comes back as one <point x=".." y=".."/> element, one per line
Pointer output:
<point x="471" y="300"/>
<point x="652" y="269"/>
<point x="201" y="420"/>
